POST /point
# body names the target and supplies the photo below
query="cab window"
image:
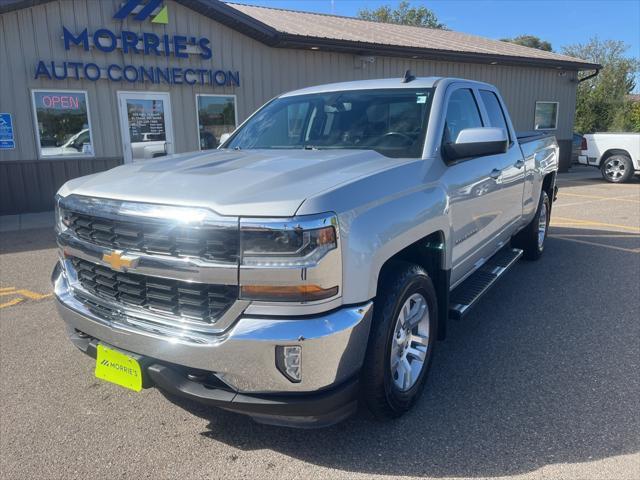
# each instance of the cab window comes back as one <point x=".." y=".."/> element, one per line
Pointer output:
<point x="462" y="112"/>
<point x="494" y="110"/>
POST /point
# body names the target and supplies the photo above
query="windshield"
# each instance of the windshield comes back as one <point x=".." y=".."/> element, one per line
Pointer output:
<point x="392" y="122"/>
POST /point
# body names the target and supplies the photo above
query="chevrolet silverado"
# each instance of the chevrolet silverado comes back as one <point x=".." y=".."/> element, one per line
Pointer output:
<point x="309" y="264"/>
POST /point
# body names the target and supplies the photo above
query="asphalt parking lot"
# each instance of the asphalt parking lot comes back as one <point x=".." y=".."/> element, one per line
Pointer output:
<point x="542" y="380"/>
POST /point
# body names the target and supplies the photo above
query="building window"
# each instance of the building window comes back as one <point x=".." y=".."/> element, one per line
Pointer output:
<point x="216" y="116"/>
<point x="63" y="124"/>
<point x="546" y="116"/>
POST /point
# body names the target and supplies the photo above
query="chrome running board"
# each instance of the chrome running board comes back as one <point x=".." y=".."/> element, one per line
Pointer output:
<point x="467" y="294"/>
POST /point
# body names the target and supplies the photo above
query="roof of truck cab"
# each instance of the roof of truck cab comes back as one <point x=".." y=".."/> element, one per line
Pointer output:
<point x="381" y="84"/>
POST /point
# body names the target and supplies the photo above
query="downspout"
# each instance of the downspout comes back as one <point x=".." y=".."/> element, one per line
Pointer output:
<point x="594" y="74"/>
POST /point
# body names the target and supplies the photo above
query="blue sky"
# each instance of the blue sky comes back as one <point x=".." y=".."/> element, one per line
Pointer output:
<point x="561" y="22"/>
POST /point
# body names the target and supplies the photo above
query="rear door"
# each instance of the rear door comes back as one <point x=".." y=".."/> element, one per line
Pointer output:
<point x="509" y="168"/>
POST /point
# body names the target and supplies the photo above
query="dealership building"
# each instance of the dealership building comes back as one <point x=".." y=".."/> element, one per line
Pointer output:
<point x="86" y="85"/>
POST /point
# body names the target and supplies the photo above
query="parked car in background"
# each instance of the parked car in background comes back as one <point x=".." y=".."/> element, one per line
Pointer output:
<point x="148" y="145"/>
<point x="207" y="140"/>
<point x="314" y="259"/>
<point x="577" y="145"/>
<point x="617" y="155"/>
<point x="77" y="144"/>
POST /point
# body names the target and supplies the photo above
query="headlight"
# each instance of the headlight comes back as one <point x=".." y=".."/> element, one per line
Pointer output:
<point x="284" y="260"/>
<point x="62" y="216"/>
<point x="295" y="247"/>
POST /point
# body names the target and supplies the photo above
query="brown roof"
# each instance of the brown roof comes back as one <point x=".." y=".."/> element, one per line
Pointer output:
<point x="348" y="29"/>
<point x="294" y="29"/>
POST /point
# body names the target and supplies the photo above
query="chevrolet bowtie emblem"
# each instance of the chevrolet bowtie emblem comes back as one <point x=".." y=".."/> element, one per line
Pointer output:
<point x="119" y="261"/>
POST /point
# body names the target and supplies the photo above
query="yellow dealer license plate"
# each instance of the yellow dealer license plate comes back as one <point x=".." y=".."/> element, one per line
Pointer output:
<point x="119" y="368"/>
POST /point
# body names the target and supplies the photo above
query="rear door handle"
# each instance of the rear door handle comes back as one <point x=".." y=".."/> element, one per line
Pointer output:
<point x="495" y="174"/>
<point x="519" y="163"/>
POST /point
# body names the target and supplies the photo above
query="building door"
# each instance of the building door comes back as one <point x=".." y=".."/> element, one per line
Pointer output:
<point x="145" y="123"/>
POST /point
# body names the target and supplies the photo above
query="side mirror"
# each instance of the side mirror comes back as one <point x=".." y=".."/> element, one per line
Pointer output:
<point x="224" y="137"/>
<point x="477" y="142"/>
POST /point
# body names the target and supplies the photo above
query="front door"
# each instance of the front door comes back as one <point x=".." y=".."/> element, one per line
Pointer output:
<point x="474" y="196"/>
<point x="145" y="123"/>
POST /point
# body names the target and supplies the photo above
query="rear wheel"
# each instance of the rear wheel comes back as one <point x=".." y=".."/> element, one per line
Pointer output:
<point x="401" y="341"/>
<point x="617" y="169"/>
<point x="532" y="238"/>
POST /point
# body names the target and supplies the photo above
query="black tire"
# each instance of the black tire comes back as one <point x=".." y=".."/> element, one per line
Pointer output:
<point x="528" y="238"/>
<point x="398" y="282"/>
<point x="617" y="169"/>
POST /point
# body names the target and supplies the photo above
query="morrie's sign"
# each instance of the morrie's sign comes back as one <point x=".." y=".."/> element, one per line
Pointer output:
<point x="143" y="44"/>
<point x="146" y="43"/>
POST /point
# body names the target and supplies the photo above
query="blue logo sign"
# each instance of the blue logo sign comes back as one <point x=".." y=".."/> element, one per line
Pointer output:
<point x="7" y="140"/>
<point x="143" y="44"/>
<point x="133" y="6"/>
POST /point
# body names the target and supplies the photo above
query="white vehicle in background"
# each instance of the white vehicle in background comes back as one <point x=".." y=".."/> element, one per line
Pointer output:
<point x="78" y="143"/>
<point x="617" y="155"/>
<point x="148" y="145"/>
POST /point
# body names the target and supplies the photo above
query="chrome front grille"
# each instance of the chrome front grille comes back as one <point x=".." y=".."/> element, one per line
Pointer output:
<point x="201" y="302"/>
<point x="212" y="244"/>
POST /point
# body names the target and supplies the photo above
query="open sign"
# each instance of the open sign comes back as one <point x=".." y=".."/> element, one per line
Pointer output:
<point x="62" y="102"/>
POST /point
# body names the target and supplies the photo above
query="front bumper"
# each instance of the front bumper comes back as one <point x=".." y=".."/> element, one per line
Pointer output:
<point x="303" y="410"/>
<point x="242" y="358"/>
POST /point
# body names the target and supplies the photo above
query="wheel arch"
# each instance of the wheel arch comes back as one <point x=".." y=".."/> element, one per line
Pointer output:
<point x="549" y="185"/>
<point x="611" y="152"/>
<point x="430" y="253"/>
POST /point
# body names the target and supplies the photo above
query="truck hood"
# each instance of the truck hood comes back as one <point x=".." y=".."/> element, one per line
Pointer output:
<point x="233" y="182"/>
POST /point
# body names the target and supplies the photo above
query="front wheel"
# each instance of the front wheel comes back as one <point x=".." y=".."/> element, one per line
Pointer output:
<point x="617" y="169"/>
<point x="400" y="347"/>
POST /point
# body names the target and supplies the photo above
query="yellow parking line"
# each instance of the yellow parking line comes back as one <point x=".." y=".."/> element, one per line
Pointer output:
<point x="33" y="295"/>
<point x="597" y="197"/>
<point x="595" y="235"/>
<point x="594" y="183"/>
<point x="22" y="294"/>
<point x="596" y="244"/>
<point x="11" y="302"/>
<point x="573" y="204"/>
<point x="590" y="223"/>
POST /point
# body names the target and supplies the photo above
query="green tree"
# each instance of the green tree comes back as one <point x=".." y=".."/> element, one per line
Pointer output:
<point x="601" y="103"/>
<point x="627" y="118"/>
<point x="530" y="41"/>
<point x="404" y="14"/>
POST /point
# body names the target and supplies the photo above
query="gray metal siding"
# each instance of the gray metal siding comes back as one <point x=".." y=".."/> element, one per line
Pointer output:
<point x="35" y="33"/>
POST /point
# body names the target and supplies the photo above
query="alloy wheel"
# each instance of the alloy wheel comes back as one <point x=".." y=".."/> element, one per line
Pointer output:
<point x="410" y="342"/>
<point x="614" y="169"/>
<point x="542" y="225"/>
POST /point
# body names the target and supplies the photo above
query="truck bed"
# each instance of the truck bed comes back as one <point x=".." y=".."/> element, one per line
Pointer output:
<point x="530" y="136"/>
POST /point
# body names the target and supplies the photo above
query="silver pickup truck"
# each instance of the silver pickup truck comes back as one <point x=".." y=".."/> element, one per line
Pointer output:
<point x="310" y="263"/>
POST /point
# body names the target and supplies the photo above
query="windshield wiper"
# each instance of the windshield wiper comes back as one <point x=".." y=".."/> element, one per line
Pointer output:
<point x="310" y="147"/>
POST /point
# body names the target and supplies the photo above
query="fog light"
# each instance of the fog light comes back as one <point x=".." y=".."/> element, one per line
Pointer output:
<point x="289" y="362"/>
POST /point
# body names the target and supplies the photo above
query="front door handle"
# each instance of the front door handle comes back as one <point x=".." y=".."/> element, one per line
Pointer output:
<point x="519" y="163"/>
<point x="495" y="174"/>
